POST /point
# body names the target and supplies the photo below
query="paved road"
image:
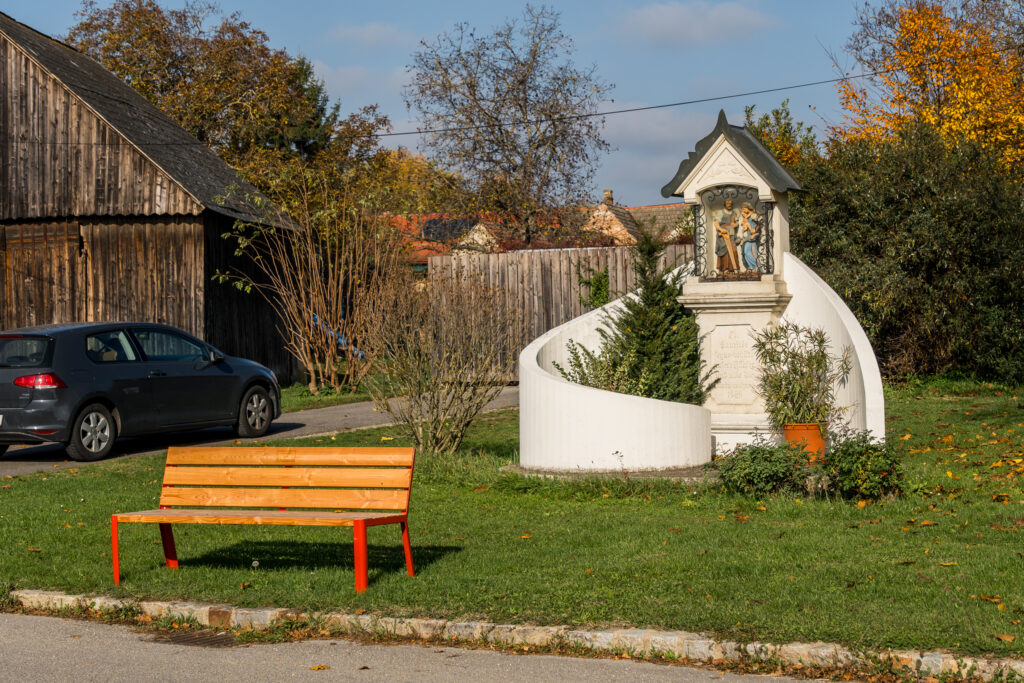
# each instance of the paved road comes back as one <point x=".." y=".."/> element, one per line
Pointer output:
<point x="54" y="649"/>
<point x="25" y="459"/>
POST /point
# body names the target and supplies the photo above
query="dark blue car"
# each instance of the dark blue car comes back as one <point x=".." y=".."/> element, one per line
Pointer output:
<point x="85" y="384"/>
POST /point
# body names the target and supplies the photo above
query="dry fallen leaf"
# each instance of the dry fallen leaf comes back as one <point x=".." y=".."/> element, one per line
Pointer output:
<point x="1005" y="637"/>
<point x="526" y="536"/>
<point x="926" y="522"/>
<point x="862" y="504"/>
<point x="948" y="438"/>
<point x="947" y="564"/>
<point x="319" y="667"/>
<point x="905" y="437"/>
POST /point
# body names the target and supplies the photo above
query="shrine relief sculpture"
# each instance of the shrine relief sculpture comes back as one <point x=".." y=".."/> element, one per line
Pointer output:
<point x="733" y="231"/>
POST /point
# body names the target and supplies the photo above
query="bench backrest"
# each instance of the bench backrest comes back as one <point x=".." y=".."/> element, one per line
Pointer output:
<point x="336" y="478"/>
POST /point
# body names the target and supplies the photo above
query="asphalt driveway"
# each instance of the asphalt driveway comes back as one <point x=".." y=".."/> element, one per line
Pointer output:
<point x="27" y="459"/>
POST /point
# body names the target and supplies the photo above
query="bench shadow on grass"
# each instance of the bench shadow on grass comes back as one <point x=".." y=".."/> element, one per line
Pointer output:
<point x="278" y="555"/>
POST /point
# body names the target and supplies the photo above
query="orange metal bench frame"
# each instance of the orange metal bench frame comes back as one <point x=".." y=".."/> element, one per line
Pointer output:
<point x="356" y="487"/>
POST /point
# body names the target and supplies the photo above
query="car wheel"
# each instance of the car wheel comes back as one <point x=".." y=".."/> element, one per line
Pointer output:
<point x="92" y="435"/>
<point x="3" y="448"/>
<point x="254" y="415"/>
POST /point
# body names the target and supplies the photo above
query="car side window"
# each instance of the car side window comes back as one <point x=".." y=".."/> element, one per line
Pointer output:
<point x="109" y="347"/>
<point x="167" y="346"/>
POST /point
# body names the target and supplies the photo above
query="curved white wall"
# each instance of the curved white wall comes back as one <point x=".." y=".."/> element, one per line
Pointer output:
<point x="566" y="426"/>
<point x="815" y="304"/>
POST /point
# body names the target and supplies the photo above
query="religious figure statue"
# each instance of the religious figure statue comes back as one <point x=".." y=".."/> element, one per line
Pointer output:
<point x="726" y="222"/>
<point x="750" y="230"/>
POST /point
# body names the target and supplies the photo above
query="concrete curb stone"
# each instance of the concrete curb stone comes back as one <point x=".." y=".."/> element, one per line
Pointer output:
<point x="691" y="646"/>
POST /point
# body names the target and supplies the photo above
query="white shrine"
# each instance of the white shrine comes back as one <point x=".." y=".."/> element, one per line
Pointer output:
<point x="742" y="279"/>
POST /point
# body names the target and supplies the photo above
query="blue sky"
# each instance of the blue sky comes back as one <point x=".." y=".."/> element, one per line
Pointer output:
<point x="654" y="53"/>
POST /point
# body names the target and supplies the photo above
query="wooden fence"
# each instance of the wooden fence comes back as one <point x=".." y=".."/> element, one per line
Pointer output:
<point x="545" y="282"/>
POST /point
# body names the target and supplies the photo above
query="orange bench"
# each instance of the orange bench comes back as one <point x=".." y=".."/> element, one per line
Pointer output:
<point x="356" y="487"/>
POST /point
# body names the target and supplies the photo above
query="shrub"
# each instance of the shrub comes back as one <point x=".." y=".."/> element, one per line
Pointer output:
<point x="798" y="374"/>
<point x="921" y="239"/>
<point x="855" y="466"/>
<point x="651" y="346"/>
<point x="861" y="467"/>
<point x="602" y="371"/>
<point x="762" y="468"/>
<point x="446" y="347"/>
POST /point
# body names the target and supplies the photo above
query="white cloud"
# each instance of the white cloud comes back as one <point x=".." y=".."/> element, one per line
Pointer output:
<point x="696" y="23"/>
<point x="375" y="34"/>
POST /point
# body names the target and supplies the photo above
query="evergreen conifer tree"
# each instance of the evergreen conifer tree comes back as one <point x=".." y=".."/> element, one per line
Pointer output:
<point x="651" y="345"/>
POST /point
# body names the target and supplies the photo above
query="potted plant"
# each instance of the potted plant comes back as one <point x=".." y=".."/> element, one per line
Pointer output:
<point x="798" y="382"/>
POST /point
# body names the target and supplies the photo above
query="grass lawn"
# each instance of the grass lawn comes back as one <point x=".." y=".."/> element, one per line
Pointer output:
<point x="298" y="397"/>
<point x="941" y="567"/>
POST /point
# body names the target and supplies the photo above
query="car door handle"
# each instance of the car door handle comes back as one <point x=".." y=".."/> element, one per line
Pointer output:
<point x="157" y="373"/>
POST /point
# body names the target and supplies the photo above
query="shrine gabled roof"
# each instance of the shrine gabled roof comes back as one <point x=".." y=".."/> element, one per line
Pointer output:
<point x="755" y="153"/>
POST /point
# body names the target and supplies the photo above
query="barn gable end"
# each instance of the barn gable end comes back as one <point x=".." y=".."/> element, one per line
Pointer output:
<point x="85" y="166"/>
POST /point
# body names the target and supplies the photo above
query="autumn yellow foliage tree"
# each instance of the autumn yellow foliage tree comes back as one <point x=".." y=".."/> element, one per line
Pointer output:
<point x="949" y="70"/>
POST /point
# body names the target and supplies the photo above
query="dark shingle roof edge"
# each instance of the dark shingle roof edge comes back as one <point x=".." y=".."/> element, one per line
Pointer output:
<point x="186" y="160"/>
<point x="777" y="177"/>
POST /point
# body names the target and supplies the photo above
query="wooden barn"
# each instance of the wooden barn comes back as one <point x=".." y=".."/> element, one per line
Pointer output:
<point x="110" y="211"/>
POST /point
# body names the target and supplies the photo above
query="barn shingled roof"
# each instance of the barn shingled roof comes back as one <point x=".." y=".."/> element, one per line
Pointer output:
<point x="185" y="159"/>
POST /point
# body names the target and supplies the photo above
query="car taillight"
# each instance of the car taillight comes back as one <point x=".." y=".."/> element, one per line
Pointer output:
<point x="47" y="380"/>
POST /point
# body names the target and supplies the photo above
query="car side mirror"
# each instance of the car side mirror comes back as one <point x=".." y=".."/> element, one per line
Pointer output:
<point x="213" y="357"/>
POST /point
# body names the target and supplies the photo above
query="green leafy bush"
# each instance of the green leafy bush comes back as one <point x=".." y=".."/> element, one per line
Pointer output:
<point x="798" y="374"/>
<point x="861" y="467"/>
<point x="855" y="466"/>
<point x="604" y="371"/>
<point x="762" y="468"/>
<point x="921" y="239"/>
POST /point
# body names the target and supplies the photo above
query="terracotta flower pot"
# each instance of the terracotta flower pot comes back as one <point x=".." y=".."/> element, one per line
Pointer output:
<point x="807" y="435"/>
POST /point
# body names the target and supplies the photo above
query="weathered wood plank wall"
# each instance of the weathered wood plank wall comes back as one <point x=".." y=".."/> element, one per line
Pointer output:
<point x="544" y="282"/>
<point x="103" y="269"/>
<point x="58" y="158"/>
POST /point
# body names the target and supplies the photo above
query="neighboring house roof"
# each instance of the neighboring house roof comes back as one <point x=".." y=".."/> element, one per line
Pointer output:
<point x="608" y="218"/>
<point x="186" y="160"/>
<point x="777" y="177"/>
<point x="663" y="218"/>
<point x="624" y="223"/>
<point x="446" y="228"/>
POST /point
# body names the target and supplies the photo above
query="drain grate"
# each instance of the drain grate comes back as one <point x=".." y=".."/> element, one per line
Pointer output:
<point x="197" y="638"/>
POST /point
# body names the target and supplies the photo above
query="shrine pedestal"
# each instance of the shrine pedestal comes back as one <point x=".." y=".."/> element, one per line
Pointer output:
<point x="729" y="314"/>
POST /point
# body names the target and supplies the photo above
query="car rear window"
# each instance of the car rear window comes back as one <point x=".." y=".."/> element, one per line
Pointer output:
<point x="19" y="351"/>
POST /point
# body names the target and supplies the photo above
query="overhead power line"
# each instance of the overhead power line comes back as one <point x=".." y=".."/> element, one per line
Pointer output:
<point x="514" y="123"/>
<point x="717" y="98"/>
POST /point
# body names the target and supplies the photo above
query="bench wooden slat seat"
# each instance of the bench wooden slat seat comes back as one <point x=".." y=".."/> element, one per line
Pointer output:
<point x="356" y="487"/>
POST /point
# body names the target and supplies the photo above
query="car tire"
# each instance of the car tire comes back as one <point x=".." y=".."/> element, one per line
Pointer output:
<point x="3" y="448"/>
<point x="92" y="434"/>
<point x="255" y="413"/>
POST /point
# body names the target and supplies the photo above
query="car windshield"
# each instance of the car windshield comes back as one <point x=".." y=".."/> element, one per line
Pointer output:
<point x="18" y="351"/>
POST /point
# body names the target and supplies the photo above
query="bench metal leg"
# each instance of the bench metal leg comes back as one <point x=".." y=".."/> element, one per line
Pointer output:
<point x="359" y="547"/>
<point x="408" y="548"/>
<point x="113" y="549"/>
<point x="170" y="554"/>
